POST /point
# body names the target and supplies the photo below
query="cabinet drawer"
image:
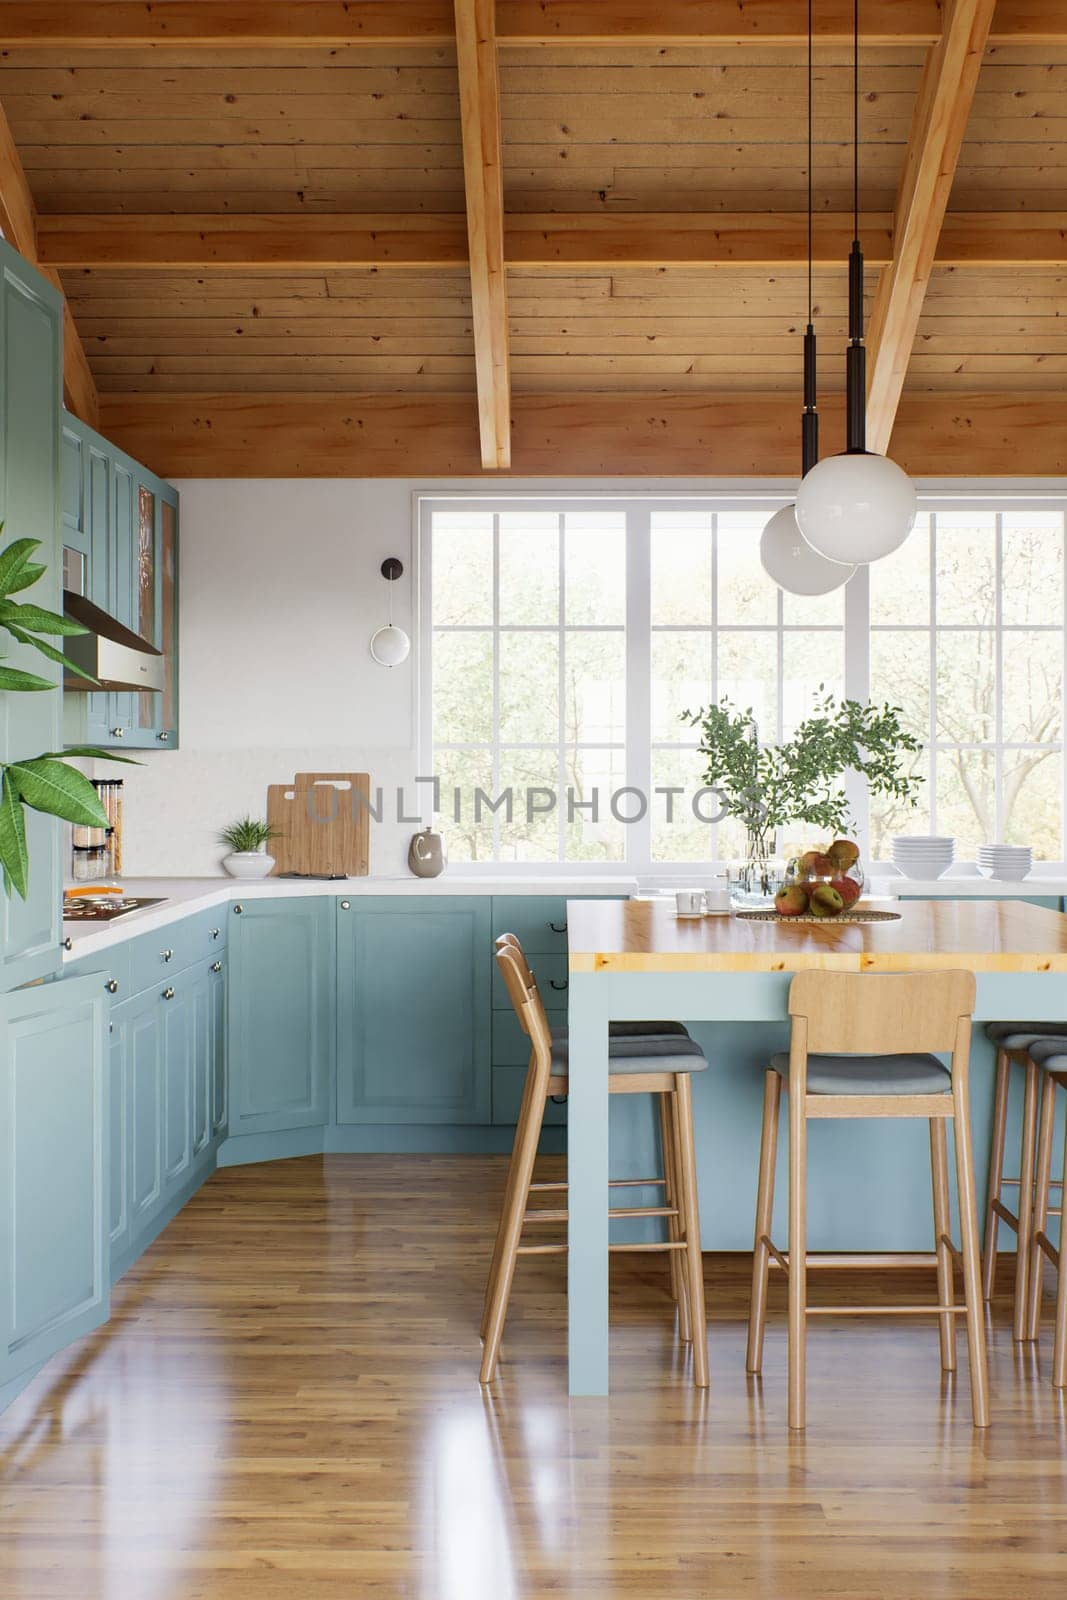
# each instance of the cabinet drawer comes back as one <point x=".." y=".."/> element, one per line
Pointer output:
<point x="207" y="931"/>
<point x="511" y="1047"/>
<point x="157" y="956"/>
<point x="112" y="967"/>
<point x="539" y="922"/>
<point x="508" y="1084"/>
<point x="551" y="975"/>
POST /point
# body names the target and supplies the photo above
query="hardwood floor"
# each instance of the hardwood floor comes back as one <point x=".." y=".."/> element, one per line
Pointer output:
<point x="285" y="1404"/>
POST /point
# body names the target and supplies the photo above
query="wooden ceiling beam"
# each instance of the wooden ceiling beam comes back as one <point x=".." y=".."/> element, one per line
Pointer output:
<point x="379" y="435"/>
<point x="560" y="241"/>
<point x="483" y="182"/>
<point x="19" y="223"/>
<point x="242" y="24"/>
<point x="942" y="110"/>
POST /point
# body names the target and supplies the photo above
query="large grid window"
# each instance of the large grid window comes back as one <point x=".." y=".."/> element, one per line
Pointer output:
<point x="967" y="635"/>
<point x="528" y="682"/>
<point x="562" y="641"/>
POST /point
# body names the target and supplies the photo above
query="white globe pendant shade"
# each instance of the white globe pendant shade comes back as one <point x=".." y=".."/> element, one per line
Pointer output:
<point x="791" y="562"/>
<point x="390" y="646"/>
<point x="856" y="508"/>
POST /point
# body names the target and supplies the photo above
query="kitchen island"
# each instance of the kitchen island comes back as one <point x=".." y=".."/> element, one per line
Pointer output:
<point x="638" y="959"/>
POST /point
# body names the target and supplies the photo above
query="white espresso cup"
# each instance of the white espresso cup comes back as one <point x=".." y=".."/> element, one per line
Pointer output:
<point x="690" y="902"/>
<point x="716" y="902"/>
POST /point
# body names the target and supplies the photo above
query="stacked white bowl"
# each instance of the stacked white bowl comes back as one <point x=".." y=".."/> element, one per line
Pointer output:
<point x="1010" y="861"/>
<point x="923" y="855"/>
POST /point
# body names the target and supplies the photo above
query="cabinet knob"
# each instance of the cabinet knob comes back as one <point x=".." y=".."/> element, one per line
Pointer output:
<point x="237" y="910"/>
<point x="68" y="943"/>
<point x="164" y="736"/>
<point x="111" y="1027"/>
<point x="168" y="993"/>
<point x="112" y="986"/>
<point x="167" y="955"/>
<point x="215" y="932"/>
<point x="346" y="905"/>
<point x="558" y="927"/>
<point x="118" y="733"/>
<point x="216" y="966"/>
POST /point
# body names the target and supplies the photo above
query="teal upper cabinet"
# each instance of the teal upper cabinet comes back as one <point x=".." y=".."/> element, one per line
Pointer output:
<point x="120" y="530"/>
<point x="31" y="359"/>
<point x="413" y="1011"/>
<point x="54" y="1201"/>
<point x="281" y="1030"/>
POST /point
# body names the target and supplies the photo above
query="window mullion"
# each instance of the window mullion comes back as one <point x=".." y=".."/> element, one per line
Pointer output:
<point x="638" y="774"/>
<point x="858" y="687"/>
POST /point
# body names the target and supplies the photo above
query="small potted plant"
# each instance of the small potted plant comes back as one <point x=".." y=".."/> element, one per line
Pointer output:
<point x="247" y="840"/>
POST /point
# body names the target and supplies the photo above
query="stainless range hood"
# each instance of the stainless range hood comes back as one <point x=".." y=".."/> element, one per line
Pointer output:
<point x="116" y="656"/>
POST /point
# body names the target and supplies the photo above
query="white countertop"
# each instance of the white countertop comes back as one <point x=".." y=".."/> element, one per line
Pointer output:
<point x="965" y="886"/>
<point x="182" y="897"/>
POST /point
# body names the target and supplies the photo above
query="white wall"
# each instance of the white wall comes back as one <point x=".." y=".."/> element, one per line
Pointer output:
<point x="280" y="593"/>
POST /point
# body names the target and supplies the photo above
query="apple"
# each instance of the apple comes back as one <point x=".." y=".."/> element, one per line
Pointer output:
<point x="844" y="854"/>
<point x="825" y="901"/>
<point x="814" y="864"/>
<point x="791" y="900"/>
<point x="847" y="888"/>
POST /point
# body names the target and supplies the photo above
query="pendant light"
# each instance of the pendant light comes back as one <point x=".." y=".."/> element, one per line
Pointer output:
<point x="390" y="645"/>
<point x="858" y="506"/>
<point x="787" y="557"/>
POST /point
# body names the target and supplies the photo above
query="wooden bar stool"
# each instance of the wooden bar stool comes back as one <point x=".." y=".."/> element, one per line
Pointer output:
<point x="1050" y="1057"/>
<point x="646" y="1058"/>
<point x="1013" y="1041"/>
<point x="861" y="1046"/>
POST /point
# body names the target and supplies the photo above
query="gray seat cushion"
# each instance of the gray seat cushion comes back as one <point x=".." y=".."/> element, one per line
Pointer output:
<point x="635" y="1030"/>
<point x="1021" y="1035"/>
<point x="641" y="1053"/>
<point x="919" y="1074"/>
<point x="1050" y="1053"/>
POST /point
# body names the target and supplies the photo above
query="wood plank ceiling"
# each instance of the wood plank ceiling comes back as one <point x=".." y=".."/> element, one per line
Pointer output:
<point x="259" y="217"/>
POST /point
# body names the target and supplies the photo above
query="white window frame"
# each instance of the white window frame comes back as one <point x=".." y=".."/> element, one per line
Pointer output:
<point x="638" y="509"/>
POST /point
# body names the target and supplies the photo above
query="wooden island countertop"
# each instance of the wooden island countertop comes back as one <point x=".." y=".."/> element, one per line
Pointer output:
<point x="979" y="935"/>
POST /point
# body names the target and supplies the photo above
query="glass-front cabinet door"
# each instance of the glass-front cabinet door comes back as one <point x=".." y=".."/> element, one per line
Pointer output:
<point x="121" y="549"/>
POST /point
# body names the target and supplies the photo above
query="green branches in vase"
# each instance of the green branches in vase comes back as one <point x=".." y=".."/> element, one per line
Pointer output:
<point x="768" y="786"/>
<point x="46" y="782"/>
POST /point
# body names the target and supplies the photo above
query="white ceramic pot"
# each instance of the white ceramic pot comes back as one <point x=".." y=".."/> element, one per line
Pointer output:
<point x="248" y="863"/>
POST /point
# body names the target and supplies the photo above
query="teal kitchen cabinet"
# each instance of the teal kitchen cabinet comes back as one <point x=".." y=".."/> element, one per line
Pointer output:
<point x="31" y="360"/>
<point x="54" y="1164"/>
<point x="177" y="1007"/>
<point x="141" y="1022"/>
<point x="414" y="1008"/>
<point x="218" y="1080"/>
<point x="118" y="1143"/>
<point x="120" y="532"/>
<point x="281" y="1024"/>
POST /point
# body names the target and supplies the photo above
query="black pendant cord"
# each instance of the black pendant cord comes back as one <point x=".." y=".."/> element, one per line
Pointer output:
<point x="809" y="427"/>
<point x="856" y="360"/>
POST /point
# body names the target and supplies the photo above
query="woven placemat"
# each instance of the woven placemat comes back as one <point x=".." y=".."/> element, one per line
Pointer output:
<point x="842" y="916"/>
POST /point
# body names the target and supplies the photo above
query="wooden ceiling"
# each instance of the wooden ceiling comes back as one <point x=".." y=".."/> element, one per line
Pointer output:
<point x="356" y="237"/>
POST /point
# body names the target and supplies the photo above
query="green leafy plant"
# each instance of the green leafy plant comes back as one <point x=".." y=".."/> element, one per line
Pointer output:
<point x="770" y="786"/>
<point x="247" y="834"/>
<point x="18" y="571"/>
<point x="44" y="783"/>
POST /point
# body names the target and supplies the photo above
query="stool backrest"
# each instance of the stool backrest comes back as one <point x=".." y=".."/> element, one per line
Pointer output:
<point x="883" y="1013"/>
<point x="525" y="997"/>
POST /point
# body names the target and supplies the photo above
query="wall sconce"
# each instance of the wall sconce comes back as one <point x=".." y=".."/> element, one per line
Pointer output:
<point x="390" y="645"/>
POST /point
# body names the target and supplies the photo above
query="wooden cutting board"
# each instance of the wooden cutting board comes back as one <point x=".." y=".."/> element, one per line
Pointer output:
<point x="322" y="821"/>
